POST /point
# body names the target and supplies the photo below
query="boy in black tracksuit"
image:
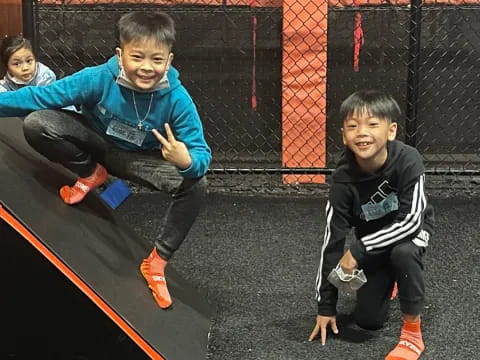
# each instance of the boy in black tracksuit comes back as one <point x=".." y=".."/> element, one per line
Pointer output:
<point x="378" y="189"/>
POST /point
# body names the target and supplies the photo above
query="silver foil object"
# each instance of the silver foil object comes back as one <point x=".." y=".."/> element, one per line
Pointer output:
<point x="343" y="281"/>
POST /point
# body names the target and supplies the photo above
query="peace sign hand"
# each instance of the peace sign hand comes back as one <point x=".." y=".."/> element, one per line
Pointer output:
<point x="172" y="150"/>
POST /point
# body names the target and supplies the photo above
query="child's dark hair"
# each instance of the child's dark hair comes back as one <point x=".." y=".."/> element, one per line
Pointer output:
<point x="139" y="25"/>
<point x="10" y="45"/>
<point x="373" y="102"/>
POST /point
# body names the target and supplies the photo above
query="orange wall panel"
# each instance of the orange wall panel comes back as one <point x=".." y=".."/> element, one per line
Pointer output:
<point x="304" y="87"/>
<point x="10" y="21"/>
<point x="10" y="17"/>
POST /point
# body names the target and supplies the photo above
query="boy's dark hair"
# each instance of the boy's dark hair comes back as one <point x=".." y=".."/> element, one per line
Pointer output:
<point x="139" y="25"/>
<point x="10" y="45"/>
<point x="373" y="102"/>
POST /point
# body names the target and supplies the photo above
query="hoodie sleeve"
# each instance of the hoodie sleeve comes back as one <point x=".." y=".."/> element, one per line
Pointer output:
<point x="413" y="208"/>
<point x="338" y="224"/>
<point x="188" y="129"/>
<point x="78" y="88"/>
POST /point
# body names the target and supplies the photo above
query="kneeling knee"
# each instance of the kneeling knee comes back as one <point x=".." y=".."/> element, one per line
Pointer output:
<point x="32" y="121"/>
<point x="369" y="323"/>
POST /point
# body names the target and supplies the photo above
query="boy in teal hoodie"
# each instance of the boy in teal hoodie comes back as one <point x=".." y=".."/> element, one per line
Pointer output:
<point x="133" y="108"/>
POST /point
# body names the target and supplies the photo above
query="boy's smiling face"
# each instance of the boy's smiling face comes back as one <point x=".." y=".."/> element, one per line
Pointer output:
<point x="144" y="62"/>
<point x="366" y="136"/>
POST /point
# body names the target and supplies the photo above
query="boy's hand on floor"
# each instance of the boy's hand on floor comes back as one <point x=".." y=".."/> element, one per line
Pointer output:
<point x="172" y="150"/>
<point x="321" y="326"/>
<point x="348" y="263"/>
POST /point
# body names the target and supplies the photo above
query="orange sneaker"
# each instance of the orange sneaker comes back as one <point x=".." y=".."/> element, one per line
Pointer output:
<point x="410" y="346"/>
<point x="153" y="270"/>
<point x="74" y="194"/>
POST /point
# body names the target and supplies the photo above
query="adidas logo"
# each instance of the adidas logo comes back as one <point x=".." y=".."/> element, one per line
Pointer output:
<point x="411" y="346"/>
<point x="82" y="186"/>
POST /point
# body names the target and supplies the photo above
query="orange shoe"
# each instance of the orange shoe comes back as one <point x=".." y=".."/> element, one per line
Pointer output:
<point x="394" y="291"/>
<point x="410" y="346"/>
<point x="74" y="194"/>
<point x="153" y="270"/>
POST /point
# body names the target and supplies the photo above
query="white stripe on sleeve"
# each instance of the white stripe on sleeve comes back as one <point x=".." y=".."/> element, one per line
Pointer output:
<point x="326" y="240"/>
<point x="399" y="230"/>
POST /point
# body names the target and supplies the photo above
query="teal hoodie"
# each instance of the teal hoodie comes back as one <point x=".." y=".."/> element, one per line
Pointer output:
<point x="102" y="99"/>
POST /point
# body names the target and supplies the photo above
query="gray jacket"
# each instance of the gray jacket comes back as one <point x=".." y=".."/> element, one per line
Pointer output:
<point x="43" y="76"/>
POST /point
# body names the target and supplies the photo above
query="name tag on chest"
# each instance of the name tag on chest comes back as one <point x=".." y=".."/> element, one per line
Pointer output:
<point x="125" y="132"/>
<point x="380" y="209"/>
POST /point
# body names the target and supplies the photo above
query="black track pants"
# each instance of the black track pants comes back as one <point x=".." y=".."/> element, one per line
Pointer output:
<point x="401" y="263"/>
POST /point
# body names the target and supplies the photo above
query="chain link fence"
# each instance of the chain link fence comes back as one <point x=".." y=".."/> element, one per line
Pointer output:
<point x="268" y="77"/>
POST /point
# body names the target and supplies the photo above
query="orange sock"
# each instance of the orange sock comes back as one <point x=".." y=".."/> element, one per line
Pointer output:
<point x="153" y="270"/>
<point x="74" y="194"/>
<point x="394" y="291"/>
<point x="411" y="345"/>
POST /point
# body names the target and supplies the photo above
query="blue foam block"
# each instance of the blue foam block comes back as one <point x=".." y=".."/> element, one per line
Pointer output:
<point x="116" y="193"/>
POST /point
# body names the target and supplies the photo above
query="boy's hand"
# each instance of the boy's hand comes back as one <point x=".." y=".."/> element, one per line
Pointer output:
<point x="321" y="326"/>
<point x="172" y="150"/>
<point x="348" y="263"/>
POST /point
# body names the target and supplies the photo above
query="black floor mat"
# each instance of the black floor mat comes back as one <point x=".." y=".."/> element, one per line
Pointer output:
<point x="256" y="258"/>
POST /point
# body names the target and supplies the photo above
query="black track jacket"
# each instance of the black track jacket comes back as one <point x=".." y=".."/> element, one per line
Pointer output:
<point x="384" y="208"/>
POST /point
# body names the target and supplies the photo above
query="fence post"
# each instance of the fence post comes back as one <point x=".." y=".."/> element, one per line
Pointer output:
<point x="28" y="22"/>
<point x="413" y="72"/>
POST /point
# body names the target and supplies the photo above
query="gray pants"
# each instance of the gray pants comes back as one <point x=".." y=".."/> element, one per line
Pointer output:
<point x="65" y="138"/>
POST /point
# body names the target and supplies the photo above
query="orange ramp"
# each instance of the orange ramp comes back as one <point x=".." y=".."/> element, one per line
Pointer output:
<point x="95" y="253"/>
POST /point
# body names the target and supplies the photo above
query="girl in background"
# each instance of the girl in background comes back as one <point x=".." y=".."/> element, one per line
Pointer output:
<point x="22" y="68"/>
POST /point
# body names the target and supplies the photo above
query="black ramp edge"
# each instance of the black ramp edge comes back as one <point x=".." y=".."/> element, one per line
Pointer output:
<point x="100" y="250"/>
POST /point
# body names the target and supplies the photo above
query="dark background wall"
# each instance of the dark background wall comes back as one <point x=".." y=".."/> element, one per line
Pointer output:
<point x="214" y="53"/>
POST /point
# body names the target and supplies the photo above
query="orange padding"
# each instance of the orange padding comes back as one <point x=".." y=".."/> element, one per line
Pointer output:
<point x="341" y="3"/>
<point x="304" y="87"/>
